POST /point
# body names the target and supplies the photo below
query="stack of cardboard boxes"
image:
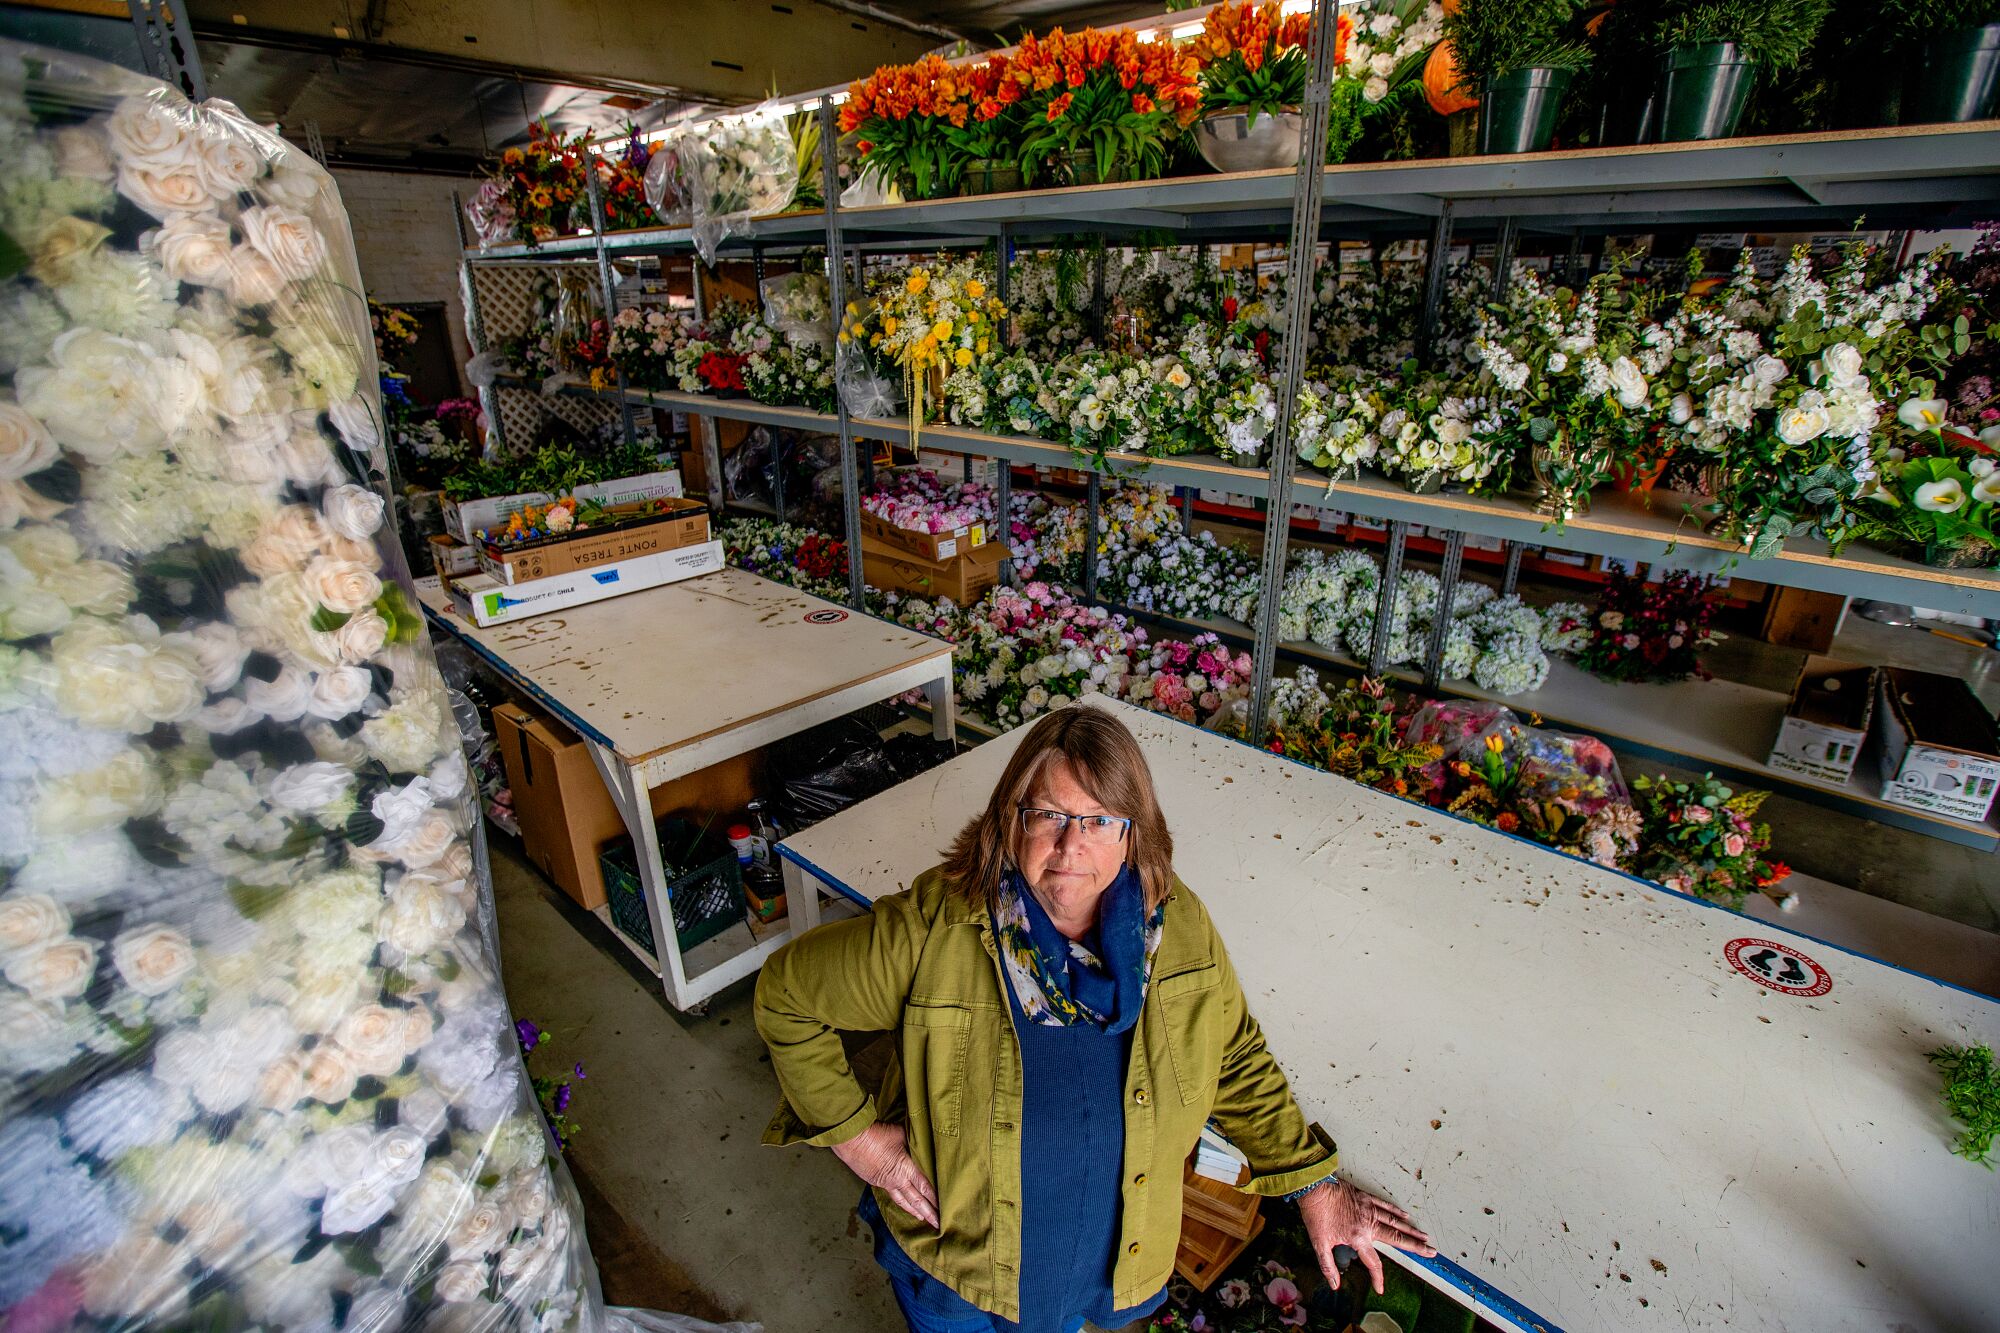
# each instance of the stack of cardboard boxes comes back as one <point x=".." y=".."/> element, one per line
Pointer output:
<point x="1935" y="745"/>
<point x="627" y="548"/>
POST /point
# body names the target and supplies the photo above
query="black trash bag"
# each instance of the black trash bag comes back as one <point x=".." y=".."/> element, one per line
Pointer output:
<point x="747" y="471"/>
<point x="911" y="754"/>
<point x="822" y="771"/>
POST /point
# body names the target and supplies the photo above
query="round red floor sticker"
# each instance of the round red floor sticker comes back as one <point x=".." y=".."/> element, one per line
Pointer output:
<point x="826" y="616"/>
<point x="1777" y="967"/>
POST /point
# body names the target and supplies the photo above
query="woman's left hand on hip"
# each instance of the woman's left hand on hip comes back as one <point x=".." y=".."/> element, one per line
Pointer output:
<point x="1339" y="1214"/>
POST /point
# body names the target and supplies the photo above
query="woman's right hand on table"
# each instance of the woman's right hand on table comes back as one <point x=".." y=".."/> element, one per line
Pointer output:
<point x="879" y="1156"/>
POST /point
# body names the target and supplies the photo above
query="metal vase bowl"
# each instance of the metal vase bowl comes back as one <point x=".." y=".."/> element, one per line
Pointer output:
<point x="1231" y="143"/>
<point x="1705" y="89"/>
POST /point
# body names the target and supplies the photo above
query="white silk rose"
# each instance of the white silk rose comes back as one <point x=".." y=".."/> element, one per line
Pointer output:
<point x="283" y="698"/>
<point x="251" y="279"/>
<point x="26" y="447"/>
<point x="30" y="920"/>
<point x="82" y="154"/>
<point x="342" y="586"/>
<point x="309" y="786"/>
<point x="58" y="970"/>
<point x="143" y="131"/>
<point x="102" y="395"/>
<point x="339" y="693"/>
<point x="103" y="797"/>
<point x="372" y="1037"/>
<point x="123" y="677"/>
<point x="226" y="162"/>
<point x="420" y="916"/>
<point x="165" y="193"/>
<point x="153" y="959"/>
<point x="361" y="637"/>
<point x="286" y="237"/>
<point x="355" y="512"/>
<point x="193" y="248"/>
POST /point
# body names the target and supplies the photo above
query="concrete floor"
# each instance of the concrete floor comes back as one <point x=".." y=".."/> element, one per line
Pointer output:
<point x="686" y="1210"/>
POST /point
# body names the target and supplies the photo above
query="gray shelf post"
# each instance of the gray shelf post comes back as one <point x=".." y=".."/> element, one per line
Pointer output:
<point x="1437" y="263"/>
<point x="605" y="285"/>
<point x="1093" y="499"/>
<point x="1003" y="488"/>
<point x="1308" y="195"/>
<point x="836" y="277"/>
<point x="1454" y="562"/>
<point x="1385" y="597"/>
<point x="1510" y="575"/>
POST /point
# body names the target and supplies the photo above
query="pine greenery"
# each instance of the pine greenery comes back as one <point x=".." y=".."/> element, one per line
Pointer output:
<point x="1493" y="38"/>
<point x="1774" y="33"/>
<point x="1914" y="20"/>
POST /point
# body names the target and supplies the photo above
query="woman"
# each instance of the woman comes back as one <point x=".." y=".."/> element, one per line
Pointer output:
<point x="1066" y="1021"/>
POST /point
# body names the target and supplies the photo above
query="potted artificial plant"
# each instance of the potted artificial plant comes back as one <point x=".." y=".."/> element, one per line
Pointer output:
<point x="1521" y="55"/>
<point x="1253" y="79"/>
<point x="1710" y="53"/>
<point x="1953" y="70"/>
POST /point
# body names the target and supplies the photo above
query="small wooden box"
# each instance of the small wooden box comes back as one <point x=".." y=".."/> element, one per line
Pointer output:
<point x="1204" y="1252"/>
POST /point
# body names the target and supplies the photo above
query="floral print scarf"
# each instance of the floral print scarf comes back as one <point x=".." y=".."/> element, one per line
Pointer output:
<point x="1100" y="980"/>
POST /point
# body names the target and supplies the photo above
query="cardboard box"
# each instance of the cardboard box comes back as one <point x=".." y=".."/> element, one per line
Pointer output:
<point x="934" y="546"/>
<point x="567" y="816"/>
<point x="1940" y="747"/>
<point x="630" y="535"/>
<point x="485" y="601"/>
<point x="464" y="518"/>
<point x="951" y="466"/>
<point x="1826" y="722"/>
<point x="452" y="559"/>
<point x="962" y="578"/>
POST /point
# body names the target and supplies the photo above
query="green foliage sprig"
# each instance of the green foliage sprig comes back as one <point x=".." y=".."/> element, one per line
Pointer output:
<point x="1914" y="20"/>
<point x="1971" y="1095"/>
<point x="1774" y="33"/>
<point x="1494" y="38"/>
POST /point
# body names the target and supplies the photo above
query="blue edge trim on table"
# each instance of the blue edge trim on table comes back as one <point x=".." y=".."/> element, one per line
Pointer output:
<point x="1444" y="1269"/>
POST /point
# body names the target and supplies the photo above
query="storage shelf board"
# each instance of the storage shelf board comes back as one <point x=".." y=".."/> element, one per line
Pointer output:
<point x="1625" y="526"/>
<point x="1770" y="178"/>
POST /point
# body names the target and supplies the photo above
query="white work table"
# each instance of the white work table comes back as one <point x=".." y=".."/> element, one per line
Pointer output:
<point x="1603" y="1123"/>
<point x="665" y="682"/>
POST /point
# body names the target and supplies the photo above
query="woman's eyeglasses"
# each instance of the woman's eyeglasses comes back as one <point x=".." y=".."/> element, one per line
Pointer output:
<point x="1049" y="825"/>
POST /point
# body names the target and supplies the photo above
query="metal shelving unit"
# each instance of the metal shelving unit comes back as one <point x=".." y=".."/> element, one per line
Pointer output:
<point x="1930" y="175"/>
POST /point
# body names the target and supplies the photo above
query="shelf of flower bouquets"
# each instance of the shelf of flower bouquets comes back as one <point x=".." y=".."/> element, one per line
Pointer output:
<point x="1158" y="580"/>
<point x="1644" y="99"/>
<point x="1837" y="412"/>
<point x="1023" y="651"/>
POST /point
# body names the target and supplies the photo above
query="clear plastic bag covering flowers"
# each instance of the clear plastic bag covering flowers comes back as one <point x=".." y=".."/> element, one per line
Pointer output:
<point x="799" y="305"/>
<point x="666" y="188"/>
<point x="866" y="391"/>
<point x="735" y="168"/>
<point x="256" y="1067"/>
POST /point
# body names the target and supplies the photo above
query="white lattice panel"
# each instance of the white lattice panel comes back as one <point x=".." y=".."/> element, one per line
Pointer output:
<point x="508" y="296"/>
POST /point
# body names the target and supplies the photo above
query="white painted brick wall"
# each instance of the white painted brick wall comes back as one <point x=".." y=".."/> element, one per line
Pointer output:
<point x="407" y="242"/>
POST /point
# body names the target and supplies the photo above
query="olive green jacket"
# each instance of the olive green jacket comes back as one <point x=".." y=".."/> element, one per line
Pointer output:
<point x="924" y="966"/>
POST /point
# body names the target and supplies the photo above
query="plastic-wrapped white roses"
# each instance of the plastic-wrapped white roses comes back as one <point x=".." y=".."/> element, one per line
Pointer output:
<point x="255" y="1066"/>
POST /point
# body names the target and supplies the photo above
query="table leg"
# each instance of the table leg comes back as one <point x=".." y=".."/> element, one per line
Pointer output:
<point x="630" y="794"/>
<point x="944" y="720"/>
<point x="801" y="896"/>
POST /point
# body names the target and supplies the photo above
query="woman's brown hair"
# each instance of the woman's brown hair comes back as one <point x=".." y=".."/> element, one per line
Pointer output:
<point x="1106" y="761"/>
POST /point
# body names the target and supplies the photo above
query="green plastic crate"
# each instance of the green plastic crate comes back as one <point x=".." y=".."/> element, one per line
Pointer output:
<point x="704" y="885"/>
